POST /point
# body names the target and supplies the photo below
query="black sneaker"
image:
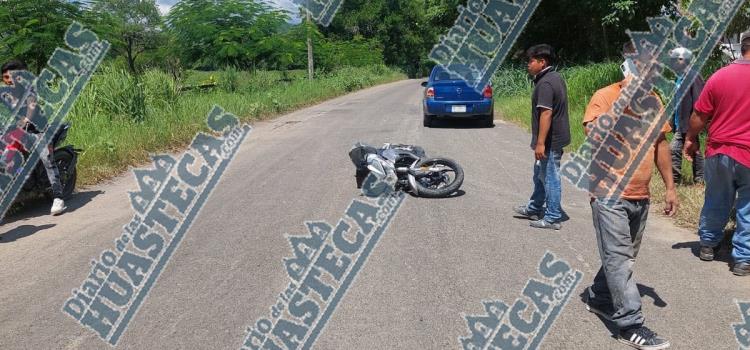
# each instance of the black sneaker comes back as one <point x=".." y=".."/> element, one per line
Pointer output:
<point x="707" y="253"/>
<point x="603" y="310"/>
<point x="642" y="338"/>
<point x="741" y="269"/>
<point x="523" y="212"/>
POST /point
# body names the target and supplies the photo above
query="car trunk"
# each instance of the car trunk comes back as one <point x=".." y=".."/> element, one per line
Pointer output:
<point x="455" y="90"/>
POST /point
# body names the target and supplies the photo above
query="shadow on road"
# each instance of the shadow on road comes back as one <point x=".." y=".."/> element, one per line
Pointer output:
<point x="21" y="232"/>
<point x="565" y="217"/>
<point x="650" y="292"/>
<point x="456" y="194"/>
<point x="644" y="291"/>
<point x="457" y="123"/>
<point x="40" y="206"/>
<point x="723" y="254"/>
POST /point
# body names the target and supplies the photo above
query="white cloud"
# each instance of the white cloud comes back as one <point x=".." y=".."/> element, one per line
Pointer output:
<point x="164" y="9"/>
<point x="165" y="5"/>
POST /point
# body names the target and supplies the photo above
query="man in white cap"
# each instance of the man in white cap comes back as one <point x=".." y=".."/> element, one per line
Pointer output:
<point x="681" y="119"/>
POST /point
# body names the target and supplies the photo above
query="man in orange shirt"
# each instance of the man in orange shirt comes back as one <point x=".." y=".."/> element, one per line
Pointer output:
<point x="619" y="230"/>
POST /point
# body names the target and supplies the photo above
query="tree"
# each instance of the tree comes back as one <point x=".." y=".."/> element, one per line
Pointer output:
<point x="215" y="34"/>
<point x="402" y="27"/>
<point x="741" y="22"/>
<point x="594" y="29"/>
<point x="32" y="30"/>
<point x="135" y="26"/>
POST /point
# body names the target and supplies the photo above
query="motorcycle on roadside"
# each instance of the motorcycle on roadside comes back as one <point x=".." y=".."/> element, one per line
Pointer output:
<point x="66" y="158"/>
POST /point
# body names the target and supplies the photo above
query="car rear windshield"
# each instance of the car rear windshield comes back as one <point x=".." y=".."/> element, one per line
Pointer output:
<point x="455" y="73"/>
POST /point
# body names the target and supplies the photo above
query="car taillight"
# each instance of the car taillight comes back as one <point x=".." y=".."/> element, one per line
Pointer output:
<point x="487" y="92"/>
<point x="431" y="92"/>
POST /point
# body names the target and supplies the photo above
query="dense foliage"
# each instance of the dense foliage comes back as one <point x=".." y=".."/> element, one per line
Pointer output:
<point x="250" y="34"/>
<point x="581" y="30"/>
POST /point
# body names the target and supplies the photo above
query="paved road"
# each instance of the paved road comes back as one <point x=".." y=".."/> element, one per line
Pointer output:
<point x="437" y="261"/>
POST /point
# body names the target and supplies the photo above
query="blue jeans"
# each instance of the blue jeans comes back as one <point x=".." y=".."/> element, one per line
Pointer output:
<point x="726" y="179"/>
<point x="547" y="188"/>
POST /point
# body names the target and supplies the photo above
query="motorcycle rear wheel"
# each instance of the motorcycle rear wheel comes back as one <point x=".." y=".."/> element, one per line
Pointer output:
<point x="448" y="189"/>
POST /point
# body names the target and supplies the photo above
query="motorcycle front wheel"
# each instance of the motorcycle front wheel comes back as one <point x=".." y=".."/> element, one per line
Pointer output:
<point x="445" y="177"/>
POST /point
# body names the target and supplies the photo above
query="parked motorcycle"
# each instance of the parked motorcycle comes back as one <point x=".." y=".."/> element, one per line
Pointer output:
<point x="410" y="167"/>
<point x="66" y="158"/>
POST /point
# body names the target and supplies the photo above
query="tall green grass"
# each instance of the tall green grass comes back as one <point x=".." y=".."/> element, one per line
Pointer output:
<point x="119" y="120"/>
<point x="513" y="91"/>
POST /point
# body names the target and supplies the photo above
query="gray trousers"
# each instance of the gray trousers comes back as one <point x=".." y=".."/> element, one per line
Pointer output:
<point x="619" y="230"/>
<point x="53" y="174"/>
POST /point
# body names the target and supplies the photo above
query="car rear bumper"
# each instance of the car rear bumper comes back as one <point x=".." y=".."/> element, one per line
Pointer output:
<point x="445" y="108"/>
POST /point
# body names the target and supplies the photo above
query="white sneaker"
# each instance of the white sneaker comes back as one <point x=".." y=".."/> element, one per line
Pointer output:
<point x="58" y="206"/>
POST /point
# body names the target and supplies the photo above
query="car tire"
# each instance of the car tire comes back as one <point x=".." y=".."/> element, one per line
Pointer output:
<point x="489" y="121"/>
<point x="427" y="121"/>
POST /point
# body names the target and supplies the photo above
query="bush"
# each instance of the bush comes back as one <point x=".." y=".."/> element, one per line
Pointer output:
<point x="160" y="87"/>
<point x="115" y="93"/>
<point x="262" y="80"/>
<point x="230" y="79"/>
<point x="511" y="81"/>
<point x="332" y="54"/>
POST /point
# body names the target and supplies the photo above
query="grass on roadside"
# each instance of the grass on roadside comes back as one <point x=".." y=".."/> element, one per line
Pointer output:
<point x="513" y="94"/>
<point x="119" y="122"/>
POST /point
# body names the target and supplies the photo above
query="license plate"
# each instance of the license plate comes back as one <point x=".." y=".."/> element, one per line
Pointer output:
<point x="458" y="109"/>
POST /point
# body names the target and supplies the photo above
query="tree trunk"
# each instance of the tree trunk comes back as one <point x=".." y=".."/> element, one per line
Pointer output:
<point x="130" y="57"/>
<point x="310" y="61"/>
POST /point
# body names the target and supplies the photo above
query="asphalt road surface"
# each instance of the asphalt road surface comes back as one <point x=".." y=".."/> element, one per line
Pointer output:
<point x="435" y="263"/>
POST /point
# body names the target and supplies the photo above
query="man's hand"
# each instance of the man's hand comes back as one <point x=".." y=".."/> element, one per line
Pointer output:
<point x="698" y="122"/>
<point x="670" y="202"/>
<point x="539" y="151"/>
<point x="663" y="160"/>
<point x="691" y="148"/>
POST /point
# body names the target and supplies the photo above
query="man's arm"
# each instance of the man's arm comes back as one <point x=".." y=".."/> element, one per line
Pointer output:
<point x="545" y="123"/>
<point x="698" y="122"/>
<point x="663" y="161"/>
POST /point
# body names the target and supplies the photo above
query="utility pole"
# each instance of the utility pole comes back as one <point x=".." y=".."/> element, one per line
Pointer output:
<point x="310" y="63"/>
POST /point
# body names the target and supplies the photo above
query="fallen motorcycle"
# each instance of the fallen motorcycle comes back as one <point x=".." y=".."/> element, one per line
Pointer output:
<point x="410" y="167"/>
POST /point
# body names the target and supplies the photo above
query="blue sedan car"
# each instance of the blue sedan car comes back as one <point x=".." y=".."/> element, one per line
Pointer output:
<point x="447" y="94"/>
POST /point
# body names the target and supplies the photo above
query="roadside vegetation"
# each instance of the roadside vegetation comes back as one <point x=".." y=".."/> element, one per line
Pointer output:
<point x="118" y="121"/>
<point x="165" y="71"/>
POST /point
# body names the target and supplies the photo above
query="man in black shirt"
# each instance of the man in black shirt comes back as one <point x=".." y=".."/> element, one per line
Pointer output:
<point x="550" y="133"/>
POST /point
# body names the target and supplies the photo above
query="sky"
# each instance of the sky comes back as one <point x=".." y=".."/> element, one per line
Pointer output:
<point x="165" y="5"/>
